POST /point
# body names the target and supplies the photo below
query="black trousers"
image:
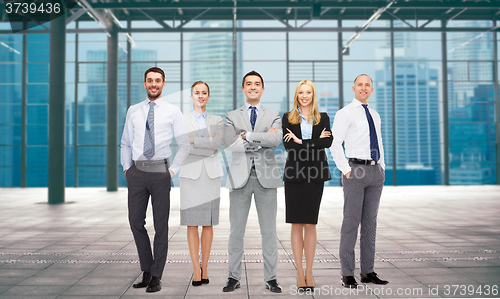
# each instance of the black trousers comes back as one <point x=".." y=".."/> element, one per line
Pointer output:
<point x="142" y="184"/>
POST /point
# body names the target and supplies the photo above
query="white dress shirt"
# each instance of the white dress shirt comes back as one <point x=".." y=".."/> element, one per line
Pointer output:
<point x="247" y="136"/>
<point x="168" y="122"/>
<point x="351" y="125"/>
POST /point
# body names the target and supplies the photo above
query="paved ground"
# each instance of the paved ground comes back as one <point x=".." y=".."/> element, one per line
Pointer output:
<point x="432" y="242"/>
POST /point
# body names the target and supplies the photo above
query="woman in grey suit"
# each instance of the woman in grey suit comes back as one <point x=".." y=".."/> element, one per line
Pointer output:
<point x="200" y="179"/>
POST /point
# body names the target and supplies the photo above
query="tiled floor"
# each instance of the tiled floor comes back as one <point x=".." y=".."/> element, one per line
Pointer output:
<point x="432" y="242"/>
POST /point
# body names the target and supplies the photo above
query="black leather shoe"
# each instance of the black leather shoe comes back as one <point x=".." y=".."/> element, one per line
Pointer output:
<point x="154" y="285"/>
<point x="349" y="282"/>
<point x="231" y="285"/>
<point x="372" y="277"/>
<point x="146" y="277"/>
<point x="273" y="286"/>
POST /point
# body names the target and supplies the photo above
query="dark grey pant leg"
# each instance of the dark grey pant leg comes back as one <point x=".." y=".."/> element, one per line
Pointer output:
<point x="362" y="193"/>
<point x="141" y="185"/>
<point x="138" y="198"/>
<point x="354" y="189"/>
<point x="159" y="187"/>
<point x="368" y="231"/>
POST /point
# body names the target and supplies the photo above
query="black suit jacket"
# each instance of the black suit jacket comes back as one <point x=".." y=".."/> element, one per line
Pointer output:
<point x="307" y="161"/>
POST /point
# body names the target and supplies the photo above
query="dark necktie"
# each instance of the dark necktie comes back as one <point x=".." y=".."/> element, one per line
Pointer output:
<point x="374" y="149"/>
<point x="149" y="135"/>
<point x="253" y="116"/>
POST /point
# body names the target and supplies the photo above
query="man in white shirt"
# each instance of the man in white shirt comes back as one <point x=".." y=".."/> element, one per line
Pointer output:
<point x="363" y="179"/>
<point x="145" y="147"/>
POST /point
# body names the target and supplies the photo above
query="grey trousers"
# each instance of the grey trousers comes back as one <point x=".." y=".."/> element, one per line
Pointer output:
<point x="362" y="193"/>
<point x="239" y="206"/>
<point x="141" y="185"/>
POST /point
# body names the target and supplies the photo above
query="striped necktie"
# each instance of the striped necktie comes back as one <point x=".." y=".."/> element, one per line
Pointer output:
<point x="149" y="136"/>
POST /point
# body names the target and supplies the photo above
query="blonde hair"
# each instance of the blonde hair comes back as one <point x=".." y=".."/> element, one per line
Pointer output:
<point x="294" y="116"/>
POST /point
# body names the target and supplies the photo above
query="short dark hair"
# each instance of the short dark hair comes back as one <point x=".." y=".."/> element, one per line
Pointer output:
<point x="197" y="83"/>
<point x="252" y="73"/>
<point x="363" y="75"/>
<point x="154" y="70"/>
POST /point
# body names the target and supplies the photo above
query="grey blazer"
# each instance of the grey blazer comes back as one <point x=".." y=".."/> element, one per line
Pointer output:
<point x="244" y="152"/>
<point x="204" y="151"/>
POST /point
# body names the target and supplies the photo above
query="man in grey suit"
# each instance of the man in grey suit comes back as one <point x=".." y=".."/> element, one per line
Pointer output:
<point x="251" y="133"/>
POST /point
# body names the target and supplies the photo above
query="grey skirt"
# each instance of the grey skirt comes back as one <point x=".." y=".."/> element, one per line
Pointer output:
<point x="200" y="200"/>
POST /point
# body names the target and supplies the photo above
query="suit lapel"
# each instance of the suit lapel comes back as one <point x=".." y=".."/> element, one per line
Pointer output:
<point x="194" y="124"/>
<point x="260" y="116"/>
<point x="246" y="119"/>
<point x="295" y="130"/>
<point x="315" y="133"/>
<point x="209" y="125"/>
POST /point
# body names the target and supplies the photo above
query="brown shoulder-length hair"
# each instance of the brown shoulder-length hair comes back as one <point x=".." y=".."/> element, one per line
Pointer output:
<point x="314" y="115"/>
<point x="197" y="83"/>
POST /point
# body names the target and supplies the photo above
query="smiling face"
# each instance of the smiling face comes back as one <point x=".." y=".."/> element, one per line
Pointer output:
<point x="305" y="96"/>
<point x="200" y="96"/>
<point x="362" y="88"/>
<point x="154" y="84"/>
<point x="253" y="89"/>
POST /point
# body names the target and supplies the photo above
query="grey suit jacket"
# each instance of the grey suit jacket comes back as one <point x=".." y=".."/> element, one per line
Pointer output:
<point x="204" y="151"/>
<point x="244" y="152"/>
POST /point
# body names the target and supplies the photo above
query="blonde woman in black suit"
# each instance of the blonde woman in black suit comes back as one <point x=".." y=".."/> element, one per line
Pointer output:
<point x="307" y="135"/>
<point x="200" y="180"/>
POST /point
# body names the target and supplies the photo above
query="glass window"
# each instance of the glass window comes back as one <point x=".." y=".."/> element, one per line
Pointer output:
<point x="313" y="46"/>
<point x="91" y="176"/>
<point x="38" y="93"/>
<point x="10" y="93"/>
<point x="10" y="135"/>
<point x="10" y="176"/>
<point x="37" y="155"/>
<point x="11" y="155"/>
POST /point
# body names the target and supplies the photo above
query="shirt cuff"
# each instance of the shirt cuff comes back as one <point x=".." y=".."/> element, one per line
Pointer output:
<point x="174" y="169"/>
<point x="247" y="136"/>
<point x="126" y="167"/>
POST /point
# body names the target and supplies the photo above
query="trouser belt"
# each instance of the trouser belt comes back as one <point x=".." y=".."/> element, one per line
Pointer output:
<point x="364" y="162"/>
<point x="150" y="163"/>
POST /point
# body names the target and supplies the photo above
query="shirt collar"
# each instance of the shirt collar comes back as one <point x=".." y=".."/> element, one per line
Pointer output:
<point x="198" y="115"/>
<point x="357" y="103"/>
<point x="158" y="102"/>
<point x="247" y="106"/>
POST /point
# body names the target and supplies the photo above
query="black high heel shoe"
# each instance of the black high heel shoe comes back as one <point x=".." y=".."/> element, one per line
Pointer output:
<point x="197" y="283"/>
<point x="203" y="280"/>
<point x="311" y="288"/>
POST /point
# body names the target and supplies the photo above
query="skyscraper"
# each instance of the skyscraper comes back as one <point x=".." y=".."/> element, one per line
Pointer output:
<point x="418" y="156"/>
<point x="211" y="60"/>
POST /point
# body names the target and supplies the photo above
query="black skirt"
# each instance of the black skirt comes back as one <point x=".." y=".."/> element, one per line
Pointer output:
<point x="302" y="201"/>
